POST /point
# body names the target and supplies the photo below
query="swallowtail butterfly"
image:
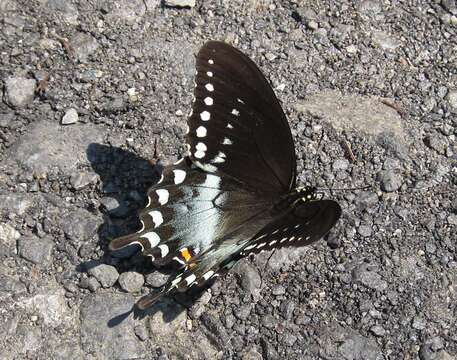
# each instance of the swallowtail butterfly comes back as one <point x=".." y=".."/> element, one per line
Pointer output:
<point x="234" y="192"/>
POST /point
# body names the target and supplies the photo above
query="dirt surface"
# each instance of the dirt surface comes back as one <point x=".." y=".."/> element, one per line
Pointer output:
<point x="89" y="87"/>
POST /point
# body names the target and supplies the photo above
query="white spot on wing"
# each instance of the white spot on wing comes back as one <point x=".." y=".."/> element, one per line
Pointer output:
<point x="149" y="199"/>
<point x="190" y="279"/>
<point x="272" y="242"/>
<point x="201" y="146"/>
<point x="249" y="247"/>
<point x="235" y="112"/>
<point x="208" y="101"/>
<point x="227" y="141"/>
<point x="229" y="126"/>
<point x="240" y="101"/>
<point x="152" y="237"/>
<point x="211" y="61"/>
<point x="142" y="227"/>
<point x="157" y="217"/>
<point x="209" y="73"/>
<point x="207" y="167"/>
<point x="209" y="87"/>
<point x="163" y="196"/>
<point x="176" y="163"/>
<point x="163" y="250"/>
<point x="292" y="238"/>
<point x="261" y="245"/>
<point x="199" y="154"/>
<point x="179" y="260"/>
<point x="220" y="158"/>
<point x="205" y="115"/>
<point x="207" y="275"/>
<point x="201" y="131"/>
<point x="282" y="240"/>
<point x="176" y="281"/>
<point x="180" y="175"/>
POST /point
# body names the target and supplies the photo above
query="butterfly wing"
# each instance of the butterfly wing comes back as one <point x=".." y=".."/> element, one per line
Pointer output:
<point x="303" y="224"/>
<point x="237" y="125"/>
<point x="189" y="211"/>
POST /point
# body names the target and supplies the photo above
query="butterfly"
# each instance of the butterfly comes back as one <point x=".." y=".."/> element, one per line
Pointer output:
<point x="234" y="192"/>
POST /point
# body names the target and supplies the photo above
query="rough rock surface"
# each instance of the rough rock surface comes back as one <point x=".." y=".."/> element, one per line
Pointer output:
<point x="369" y="90"/>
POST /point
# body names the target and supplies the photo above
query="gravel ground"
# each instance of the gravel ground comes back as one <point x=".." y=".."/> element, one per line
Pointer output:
<point x="90" y="85"/>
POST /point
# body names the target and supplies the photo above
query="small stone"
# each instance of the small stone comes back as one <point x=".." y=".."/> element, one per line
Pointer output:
<point x="278" y="290"/>
<point x="385" y="41"/>
<point x="156" y="279"/>
<point x="198" y="308"/>
<point x="251" y="354"/>
<point x="340" y="165"/>
<point x="83" y="45"/>
<point x="269" y="321"/>
<point x="131" y="281"/>
<point x="312" y="25"/>
<point x="419" y="323"/>
<point x="451" y="98"/>
<point x="35" y="249"/>
<point x="370" y="279"/>
<point x="8" y="238"/>
<point x="80" y="180"/>
<point x="436" y="142"/>
<point x="378" y="330"/>
<point x="452" y="219"/>
<point x="287" y="309"/>
<point x="366" y="200"/>
<point x="390" y="180"/>
<point x="90" y="283"/>
<point x="141" y="332"/>
<point x="270" y="56"/>
<point x="106" y="274"/>
<point x="114" y="206"/>
<point x="180" y="3"/>
<point x="6" y="119"/>
<point x="250" y="277"/>
<point x="242" y="312"/>
<point x="351" y="49"/>
<point x="70" y="117"/>
<point x="364" y="230"/>
<point x="19" y="91"/>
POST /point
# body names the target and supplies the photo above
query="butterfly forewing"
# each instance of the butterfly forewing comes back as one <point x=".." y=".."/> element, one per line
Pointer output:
<point x="237" y="125"/>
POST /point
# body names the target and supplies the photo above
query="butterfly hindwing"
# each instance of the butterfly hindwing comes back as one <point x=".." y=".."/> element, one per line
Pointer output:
<point x="237" y="123"/>
<point x="303" y="224"/>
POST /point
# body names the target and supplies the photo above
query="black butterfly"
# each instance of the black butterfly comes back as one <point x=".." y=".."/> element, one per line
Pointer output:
<point x="234" y="193"/>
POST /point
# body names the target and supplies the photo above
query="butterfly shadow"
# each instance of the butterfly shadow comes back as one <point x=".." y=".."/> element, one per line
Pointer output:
<point x="125" y="178"/>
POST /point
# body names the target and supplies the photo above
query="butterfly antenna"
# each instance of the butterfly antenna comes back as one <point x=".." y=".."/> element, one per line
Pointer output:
<point x="319" y="144"/>
<point x="366" y="187"/>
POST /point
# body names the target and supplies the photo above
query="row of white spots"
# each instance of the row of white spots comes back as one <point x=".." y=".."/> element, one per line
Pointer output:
<point x="180" y="175"/>
<point x="163" y="196"/>
<point x="229" y="126"/>
<point x="235" y="112"/>
<point x="209" y="87"/>
<point x="208" y="101"/>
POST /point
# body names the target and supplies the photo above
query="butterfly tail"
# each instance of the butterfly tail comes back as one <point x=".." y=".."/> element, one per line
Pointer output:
<point x="150" y="299"/>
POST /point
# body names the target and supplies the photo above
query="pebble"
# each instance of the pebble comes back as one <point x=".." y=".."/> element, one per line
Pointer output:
<point x="278" y="290"/>
<point x="35" y="249"/>
<point x="451" y="98"/>
<point x="242" y="312"/>
<point x="419" y="323"/>
<point x="370" y="279"/>
<point x="6" y="119"/>
<point x="19" y="91"/>
<point x="250" y="277"/>
<point x="385" y="41"/>
<point x="180" y="3"/>
<point x="436" y="142"/>
<point x="198" y="308"/>
<point x="340" y="165"/>
<point x="90" y="283"/>
<point x="115" y="207"/>
<point x="70" y="117"/>
<point x="390" y="180"/>
<point x="107" y="275"/>
<point x="378" y="330"/>
<point x="80" y="180"/>
<point x="364" y="230"/>
<point x="131" y="281"/>
<point x="269" y="321"/>
<point x="156" y="279"/>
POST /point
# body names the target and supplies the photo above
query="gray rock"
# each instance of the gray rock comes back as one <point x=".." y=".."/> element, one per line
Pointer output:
<point x="250" y="277"/>
<point x="66" y="9"/>
<point x="19" y="91"/>
<point x="83" y="45"/>
<point x="364" y="230"/>
<point x="451" y="98"/>
<point x="436" y="142"/>
<point x="242" y="312"/>
<point x="90" y="283"/>
<point x="378" y="330"/>
<point x="167" y="328"/>
<point x="35" y="249"/>
<point x="15" y="203"/>
<point x="80" y="180"/>
<point x="129" y="11"/>
<point x="390" y="180"/>
<point x="287" y="308"/>
<point x="180" y="3"/>
<point x="370" y="279"/>
<point x="340" y="165"/>
<point x="385" y="41"/>
<point x="70" y="117"/>
<point x="369" y="7"/>
<point x="278" y="290"/>
<point x="351" y="112"/>
<point x="268" y="350"/>
<point x="47" y="144"/>
<point x="366" y="200"/>
<point x="8" y="238"/>
<point x="6" y="119"/>
<point x="101" y="327"/>
<point x="131" y="281"/>
<point x="198" y="308"/>
<point x="419" y="323"/>
<point x="49" y="304"/>
<point x="269" y="321"/>
<point x="156" y="279"/>
<point x="251" y="354"/>
<point x="107" y="275"/>
<point x="11" y="285"/>
<point x="141" y="332"/>
<point x="215" y="329"/>
<point x="116" y="207"/>
<point x="79" y="225"/>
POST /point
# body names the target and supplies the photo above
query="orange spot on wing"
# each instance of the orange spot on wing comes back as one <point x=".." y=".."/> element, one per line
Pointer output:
<point x="186" y="255"/>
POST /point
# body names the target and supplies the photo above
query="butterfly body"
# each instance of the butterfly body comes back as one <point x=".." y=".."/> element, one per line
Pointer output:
<point x="234" y="192"/>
